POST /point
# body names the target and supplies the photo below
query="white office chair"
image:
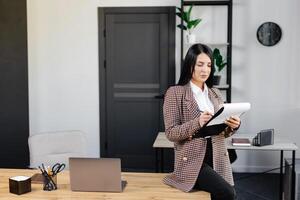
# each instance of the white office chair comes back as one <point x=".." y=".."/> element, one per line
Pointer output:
<point x="52" y="147"/>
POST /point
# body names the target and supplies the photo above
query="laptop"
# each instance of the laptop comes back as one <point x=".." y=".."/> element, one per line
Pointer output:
<point x="96" y="174"/>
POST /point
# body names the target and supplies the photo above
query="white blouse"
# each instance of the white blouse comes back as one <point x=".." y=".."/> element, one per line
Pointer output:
<point x="201" y="97"/>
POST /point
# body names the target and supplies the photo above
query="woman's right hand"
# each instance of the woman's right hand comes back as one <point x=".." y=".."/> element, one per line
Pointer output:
<point x="204" y="117"/>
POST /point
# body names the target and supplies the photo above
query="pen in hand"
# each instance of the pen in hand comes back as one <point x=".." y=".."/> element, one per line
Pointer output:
<point x="204" y="117"/>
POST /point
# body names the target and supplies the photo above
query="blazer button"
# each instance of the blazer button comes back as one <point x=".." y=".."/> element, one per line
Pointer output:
<point x="184" y="159"/>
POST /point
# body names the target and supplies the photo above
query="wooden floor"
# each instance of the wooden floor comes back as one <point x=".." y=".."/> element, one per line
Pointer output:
<point x="140" y="186"/>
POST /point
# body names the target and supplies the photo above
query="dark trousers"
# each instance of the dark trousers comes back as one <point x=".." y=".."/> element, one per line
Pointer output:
<point x="210" y="181"/>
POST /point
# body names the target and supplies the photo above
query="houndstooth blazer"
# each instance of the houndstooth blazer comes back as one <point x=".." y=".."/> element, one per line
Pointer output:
<point x="181" y="117"/>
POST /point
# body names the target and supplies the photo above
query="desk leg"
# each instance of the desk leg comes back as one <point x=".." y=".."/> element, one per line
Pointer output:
<point x="156" y="160"/>
<point x="161" y="160"/>
<point x="293" y="175"/>
<point x="281" y="175"/>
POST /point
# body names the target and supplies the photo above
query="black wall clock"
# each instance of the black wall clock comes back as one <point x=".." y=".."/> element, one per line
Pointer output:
<point x="268" y="34"/>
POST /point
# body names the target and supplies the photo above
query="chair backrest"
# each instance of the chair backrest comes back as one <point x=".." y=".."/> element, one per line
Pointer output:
<point x="57" y="146"/>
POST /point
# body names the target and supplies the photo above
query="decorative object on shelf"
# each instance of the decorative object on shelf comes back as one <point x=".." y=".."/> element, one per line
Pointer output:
<point x="189" y="24"/>
<point x="214" y="43"/>
<point x="219" y="63"/>
<point x="268" y="34"/>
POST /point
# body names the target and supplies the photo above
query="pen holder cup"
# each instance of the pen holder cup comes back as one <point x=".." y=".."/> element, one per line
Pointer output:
<point x="50" y="183"/>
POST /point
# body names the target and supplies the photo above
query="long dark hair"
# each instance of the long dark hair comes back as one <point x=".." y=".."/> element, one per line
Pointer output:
<point x="190" y="61"/>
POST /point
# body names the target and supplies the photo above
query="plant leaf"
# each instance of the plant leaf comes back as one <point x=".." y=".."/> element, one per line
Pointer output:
<point x="179" y="9"/>
<point x="182" y="14"/>
<point x="189" y="13"/>
<point x="219" y="61"/>
<point x="189" y="25"/>
<point x="181" y="26"/>
<point x="222" y="66"/>
<point x="185" y="17"/>
<point x="178" y="14"/>
<point x="195" y="22"/>
<point x="216" y="52"/>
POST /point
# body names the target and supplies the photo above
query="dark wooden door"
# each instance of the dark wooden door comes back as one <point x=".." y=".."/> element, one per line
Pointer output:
<point x="138" y="67"/>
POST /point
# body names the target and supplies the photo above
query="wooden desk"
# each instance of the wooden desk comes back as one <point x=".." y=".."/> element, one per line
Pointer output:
<point x="281" y="145"/>
<point x="140" y="186"/>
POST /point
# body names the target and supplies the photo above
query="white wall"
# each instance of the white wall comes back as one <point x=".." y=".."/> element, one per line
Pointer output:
<point x="63" y="64"/>
<point x="63" y="68"/>
<point x="63" y="73"/>
<point x="266" y="76"/>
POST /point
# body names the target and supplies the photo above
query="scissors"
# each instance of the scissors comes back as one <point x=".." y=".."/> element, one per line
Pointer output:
<point x="57" y="168"/>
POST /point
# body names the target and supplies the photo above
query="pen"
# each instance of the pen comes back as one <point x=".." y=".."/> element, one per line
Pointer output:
<point x="48" y="170"/>
<point x="201" y="111"/>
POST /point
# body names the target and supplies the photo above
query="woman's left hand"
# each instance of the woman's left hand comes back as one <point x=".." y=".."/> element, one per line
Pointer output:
<point x="233" y="122"/>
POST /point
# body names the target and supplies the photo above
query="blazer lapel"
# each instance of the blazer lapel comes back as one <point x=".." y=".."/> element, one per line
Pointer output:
<point x="191" y="102"/>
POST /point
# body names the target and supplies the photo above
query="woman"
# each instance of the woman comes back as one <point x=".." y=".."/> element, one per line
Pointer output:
<point x="200" y="162"/>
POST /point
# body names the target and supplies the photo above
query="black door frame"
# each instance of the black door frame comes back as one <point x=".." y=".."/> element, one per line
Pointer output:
<point x="102" y="62"/>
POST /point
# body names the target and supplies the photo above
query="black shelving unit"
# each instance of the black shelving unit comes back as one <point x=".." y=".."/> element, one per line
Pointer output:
<point x="227" y="3"/>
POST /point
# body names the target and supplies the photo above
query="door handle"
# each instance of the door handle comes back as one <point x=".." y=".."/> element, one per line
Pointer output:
<point x="159" y="96"/>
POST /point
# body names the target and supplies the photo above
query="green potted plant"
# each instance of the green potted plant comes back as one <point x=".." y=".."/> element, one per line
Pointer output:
<point x="220" y="63"/>
<point x="188" y="23"/>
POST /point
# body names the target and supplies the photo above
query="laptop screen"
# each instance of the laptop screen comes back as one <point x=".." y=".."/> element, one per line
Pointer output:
<point x="95" y="174"/>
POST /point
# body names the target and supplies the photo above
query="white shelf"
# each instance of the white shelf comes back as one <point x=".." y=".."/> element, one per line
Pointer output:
<point x="209" y="44"/>
<point x="217" y="44"/>
<point x="225" y="86"/>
